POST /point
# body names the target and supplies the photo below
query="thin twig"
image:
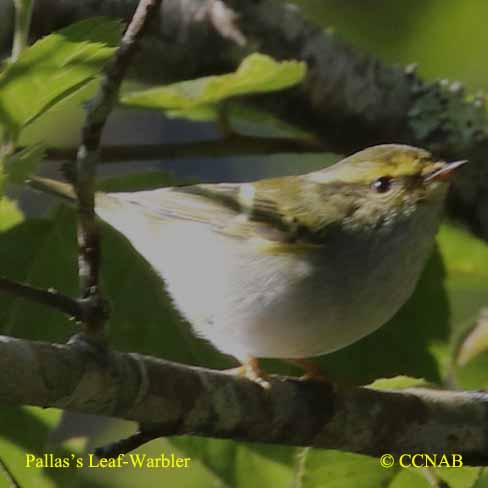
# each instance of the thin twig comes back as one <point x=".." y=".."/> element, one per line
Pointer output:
<point x="88" y="153"/>
<point x="223" y="19"/>
<point x="433" y="478"/>
<point x="235" y="145"/>
<point x="123" y="446"/>
<point x="13" y="483"/>
<point x="23" y="16"/>
<point x="51" y="297"/>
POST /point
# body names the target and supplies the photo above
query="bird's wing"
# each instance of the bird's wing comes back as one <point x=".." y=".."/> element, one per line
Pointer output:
<point x="174" y="204"/>
<point x="244" y="210"/>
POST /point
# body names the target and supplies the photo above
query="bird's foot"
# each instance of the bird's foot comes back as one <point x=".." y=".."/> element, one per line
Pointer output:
<point x="312" y="371"/>
<point x="250" y="369"/>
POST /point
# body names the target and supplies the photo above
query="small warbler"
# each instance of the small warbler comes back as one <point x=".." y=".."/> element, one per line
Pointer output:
<point x="290" y="267"/>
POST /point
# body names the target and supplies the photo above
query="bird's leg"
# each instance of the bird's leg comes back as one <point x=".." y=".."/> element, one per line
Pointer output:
<point x="311" y="370"/>
<point x="250" y="369"/>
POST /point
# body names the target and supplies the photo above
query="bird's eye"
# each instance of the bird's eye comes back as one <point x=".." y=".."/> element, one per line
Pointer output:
<point x="382" y="184"/>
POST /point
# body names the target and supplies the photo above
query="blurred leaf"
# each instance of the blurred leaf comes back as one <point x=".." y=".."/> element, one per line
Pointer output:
<point x="367" y="24"/>
<point x="41" y="253"/>
<point x="336" y="469"/>
<point x="249" y="120"/>
<point x="53" y="68"/>
<point x="466" y="259"/>
<point x="196" y="476"/>
<point x="397" y="383"/>
<point x="3" y="179"/>
<point x="198" y="113"/>
<point x="460" y="477"/>
<point x="25" y="431"/>
<point x="198" y="98"/>
<point x="232" y="462"/>
<point x="482" y="481"/>
<point x="440" y="55"/>
<point x="136" y="182"/>
<point x="24" y="163"/>
<point x="10" y="215"/>
<point x="409" y="478"/>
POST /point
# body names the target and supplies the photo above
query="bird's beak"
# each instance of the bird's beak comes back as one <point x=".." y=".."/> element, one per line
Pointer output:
<point x="444" y="172"/>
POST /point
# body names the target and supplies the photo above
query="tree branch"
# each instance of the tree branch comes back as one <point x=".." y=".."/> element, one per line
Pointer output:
<point x="51" y="298"/>
<point x="178" y="399"/>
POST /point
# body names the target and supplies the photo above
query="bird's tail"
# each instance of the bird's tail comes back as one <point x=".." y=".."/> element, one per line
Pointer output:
<point x="53" y="187"/>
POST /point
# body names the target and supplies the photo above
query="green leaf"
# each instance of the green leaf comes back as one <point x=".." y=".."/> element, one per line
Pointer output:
<point x="482" y="481"/>
<point x="54" y="68"/>
<point x="336" y="469"/>
<point x="10" y="215"/>
<point x="3" y="179"/>
<point x="466" y="259"/>
<point x="397" y="383"/>
<point x="136" y="182"/>
<point x="464" y="477"/>
<point x="198" y="98"/>
<point x="41" y="253"/>
<point x="24" y="163"/>
<point x="231" y="462"/>
<point x="60" y="126"/>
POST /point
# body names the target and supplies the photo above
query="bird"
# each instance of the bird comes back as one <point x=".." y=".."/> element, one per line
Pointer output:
<point x="291" y="267"/>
